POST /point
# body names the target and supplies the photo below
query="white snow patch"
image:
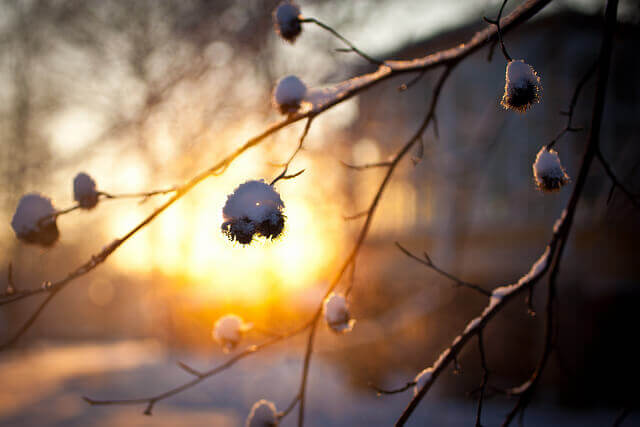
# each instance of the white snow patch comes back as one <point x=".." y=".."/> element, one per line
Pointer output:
<point x="84" y="191"/>
<point x="30" y="221"/>
<point x="255" y="200"/>
<point x="548" y="171"/>
<point x="421" y="379"/>
<point x="289" y="94"/>
<point x="472" y="325"/>
<point x="559" y="221"/>
<point x="336" y="313"/>
<point x="263" y="414"/>
<point x="537" y="268"/>
<point x="228" y="331"/>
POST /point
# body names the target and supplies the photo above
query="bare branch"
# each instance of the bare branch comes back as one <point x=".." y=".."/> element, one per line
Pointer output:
<point x="496" y="22"/>
<point x="367" y="166"/>
<point x="427" y="262"/>
<point x="381" y="391"/>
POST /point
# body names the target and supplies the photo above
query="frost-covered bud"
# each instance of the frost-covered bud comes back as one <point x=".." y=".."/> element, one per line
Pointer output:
<point x="548" y="172"/>
<point x="34" y="220"/>
<point x="421" y="379"/>
<point x="263" y="414"/>
<point x="289" y="94"/>
<point x="522" y="87"/>
<point x="228" y="331"/>
<point x="84" y="191"/>
<point x="254" y="208"/>
<point x="286" y="19"/>
<point x="336" y="313"/>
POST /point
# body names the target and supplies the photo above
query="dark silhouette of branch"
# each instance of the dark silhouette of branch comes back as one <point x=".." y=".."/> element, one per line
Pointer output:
<point x="485" y="379"/>
<point x="496" y="22"/>
<point x="526" y="390"/>
<point x="199" y="376"/>
<point x="367" y="166"/>
<point x="633" y="198"/>
<point x="427" y="262"/>
<point x="283" y="174"/>
<point x="355" y="216"/>
<point x="351" y="48"/>
<point x="574" y="99"/>
<point x="381" y="391"/>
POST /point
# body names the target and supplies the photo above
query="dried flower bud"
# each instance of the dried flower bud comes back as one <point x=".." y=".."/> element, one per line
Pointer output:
<point x="263" y="414"/>
<point x="421" y="379"/>
<point x="228" y="331"/>
<point x="289" y="94"/>
<point x="34" y="220"/>
<point x="286" y="20"/>
<point x="522" y="87"/>
<point x="84" y="191"/>
<point x="548" y="172"/>
<point x="336" y="314"/>
<point x="254" y="208"/>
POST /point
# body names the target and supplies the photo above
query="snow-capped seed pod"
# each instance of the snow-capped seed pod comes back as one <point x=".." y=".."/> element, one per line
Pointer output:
<point x="254" y="208"/>
<point x="289" y="94"/>
<point x="34" y="220"/>
<point x="286" y="20"/>
<point x="522" y="87"/>
<point x="421" y="379"/>
<point x="548" y="172"/>
<point x="84" y="191"/>
<point x="336" y="313"/>
<point x="228" y="331"/>
<point x="263" y="414"/>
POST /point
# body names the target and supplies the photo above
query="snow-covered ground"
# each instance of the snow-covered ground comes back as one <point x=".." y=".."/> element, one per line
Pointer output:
<point x="43" y="387"/>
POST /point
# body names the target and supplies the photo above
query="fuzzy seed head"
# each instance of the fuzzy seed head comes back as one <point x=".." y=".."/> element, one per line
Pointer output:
<point x="263" y="414"/>
<point x="548" y="172"/>
<point x="289" y="94"/>
<point x="228" y="331"/>
<point x="254" y="208"/>
<point x="522" y="87"/>
<point x="336" y="314"/>
<point x="286" y="20"/>
<point x="84" y="191"/>
<point x="34" y="221"/>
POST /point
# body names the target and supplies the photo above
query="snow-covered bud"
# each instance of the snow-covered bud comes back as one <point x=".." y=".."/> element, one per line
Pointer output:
<point x="548" y="172"/>
<point x="34" y="220"/>
<point x="228" y="331"/>
<point x="84" y="191"/>
<point x="289" y="94"/>
<point x="286" y="19"/>
<point x="421" y="379"/>
<point x="522" y="87"/>
<point x="336" y="313"/>
<point x="253" y="208"/>
<point x="263" y="414"/>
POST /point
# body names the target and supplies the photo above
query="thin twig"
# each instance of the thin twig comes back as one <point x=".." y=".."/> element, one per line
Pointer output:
<point x="485" y="379"/>
<point x="381" y="391"/>
<point x="352" y="47"/>
<point x="367" y="166"/>
<point x="574" y="99"/>
<point x="283" y="174"/>
<point x="496" y="22"/>
<point x="427" y="262"/>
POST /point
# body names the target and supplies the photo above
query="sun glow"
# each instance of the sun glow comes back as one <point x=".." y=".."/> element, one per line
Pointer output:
<point x="186" y="243"/>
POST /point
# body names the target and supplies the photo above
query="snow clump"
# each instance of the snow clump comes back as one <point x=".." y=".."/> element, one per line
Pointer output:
<point x="34" y="220"/>
<point x="286" y="20"/>
<point x="289" y="94"/>
<point x="522" y="87"/>
<point x="336" y="313"/>
<point x="84" y="191"/>
<point x="254" y="207"/>
<point x="548" y="172"/>
<point x="263" y="414"/>
<point x="228" y="331"/>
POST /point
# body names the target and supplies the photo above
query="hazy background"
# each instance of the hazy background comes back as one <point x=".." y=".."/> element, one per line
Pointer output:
<point x="143" y="95"/>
